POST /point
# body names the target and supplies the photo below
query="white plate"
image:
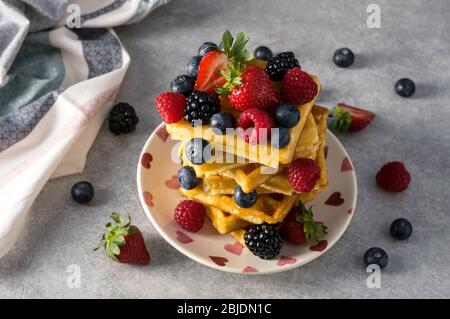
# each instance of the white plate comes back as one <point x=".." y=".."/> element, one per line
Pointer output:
<point x="157" y="186"/>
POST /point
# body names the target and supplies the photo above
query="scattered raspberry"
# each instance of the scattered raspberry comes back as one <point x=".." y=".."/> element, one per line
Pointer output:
<point x="170" y="106"/>
<point x="259" y="120"/>
<point x="393" y="177"/>
<point x="190" y="215"/>
<point x="303" y="174"/>
<point x="298" y="87"/>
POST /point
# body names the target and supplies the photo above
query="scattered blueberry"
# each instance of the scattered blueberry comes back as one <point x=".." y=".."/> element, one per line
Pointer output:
<point x="376" y="256"/>
<point x="187" y="178"/>
<point x="206" y="47"/>
<point x="405" y="87"/>
<point x="183" y="84"/>
<point x="287" y="115"/>
<point x="221" y="121"/>
<point x="82" y="192"/>
<point x="198" y="151"/>
<point x="263" y="53"/>
<point x="343" y="57"/>
<point x="401" y="228"/>
<point x="280" y="137"/>
<point x="244" y="200"/>
<point x="192" y="66"/>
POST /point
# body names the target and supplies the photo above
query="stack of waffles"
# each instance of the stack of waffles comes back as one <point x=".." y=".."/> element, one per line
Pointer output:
<point x="253" y="167"/>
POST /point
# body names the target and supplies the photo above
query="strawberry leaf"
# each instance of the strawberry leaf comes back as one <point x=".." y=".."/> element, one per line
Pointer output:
<point x="339" y="120"/>
<point x="312" y="229"/>
<point x="114" y="237"/>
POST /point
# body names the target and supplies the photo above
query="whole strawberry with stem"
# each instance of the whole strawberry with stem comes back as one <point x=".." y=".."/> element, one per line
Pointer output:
<point x="300" y="227"/>
<point x="346" y="118"/>
<point x="124" y="242"/>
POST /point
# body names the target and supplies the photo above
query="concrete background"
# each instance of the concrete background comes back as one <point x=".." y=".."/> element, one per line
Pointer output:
<point x="414" y="41"/>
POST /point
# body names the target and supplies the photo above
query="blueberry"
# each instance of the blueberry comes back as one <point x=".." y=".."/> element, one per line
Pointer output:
<point x="221" y="121"/>
<point x="376" y="256"/>
<point x="192" y="66"/>
<point x="198" y="151"/>
<point x="405" y="87"/>
<point x="280" y="137"/>
<point x="244" y="200"/>
<point x="82" y="192"/>
<point x="187" y="177"/>
<point x="206" y="47"/>
<point x="183" y="84"/>
<point x="343" y="57"/>
<point x="401" y="228"/>
<point x="287" y="115"/>
<point x="263" y="53"/>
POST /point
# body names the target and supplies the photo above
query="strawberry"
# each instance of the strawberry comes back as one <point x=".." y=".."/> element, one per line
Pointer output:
<point x="299" y="226"/>
<point x="349" y="118"/>
<point x="249" y="88"/>
<point x="124" y="242"/>
<point x="208" y="77"/>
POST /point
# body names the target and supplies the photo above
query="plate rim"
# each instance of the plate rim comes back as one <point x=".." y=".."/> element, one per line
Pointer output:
<point x="203" y="261"/>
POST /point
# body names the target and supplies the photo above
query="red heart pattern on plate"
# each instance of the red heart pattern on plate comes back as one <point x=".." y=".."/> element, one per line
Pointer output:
<point x="183" y="238"/>
<point x="146" y="159"/>
<point x="162" y="133"/>
<point x="172" y="183"/>
<point x="235" y="248"/>
<point x="335" y="199"/>
<point x="286" y="261"/>
<point x="346" y="165"/>
<point x="220" y="261"/>
<point x="148" y="198"/>
<point x="249" y="269"/>
<point x="320" y="246"/>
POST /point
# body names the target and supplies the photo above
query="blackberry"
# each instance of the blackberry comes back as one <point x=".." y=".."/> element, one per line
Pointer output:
<point x="263" y="241"/>
<point x="122" y="119"/>
<point x="200" y="107"/>
<point x="280" y="64"/>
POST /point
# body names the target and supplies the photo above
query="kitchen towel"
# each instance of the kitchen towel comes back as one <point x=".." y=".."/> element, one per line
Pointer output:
<point x="61" y="66"/>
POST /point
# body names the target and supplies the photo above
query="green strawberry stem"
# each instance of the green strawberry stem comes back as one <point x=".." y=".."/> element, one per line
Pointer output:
<point x="312" y="229"/>
<point x="339" y="120"/>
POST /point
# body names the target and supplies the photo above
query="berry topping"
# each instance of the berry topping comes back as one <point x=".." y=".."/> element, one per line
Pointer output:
<point x="200" y="107"/>
<point x="208" y="77"/>
<point x="298" y="87"/>
<point x="248" y="89"/>
<point x="254" y="125"/>
<point x="190" y="215"/>
<point x="376" y="256"/>
<point x="187" y="178"/>
<point x="303" y="174"/>
<point x="343" y="57"/>
<point x="221" y="121"/>
<point x="280" y="64"/>
<point x="124" y="242"/>
<point x="244" y="200"/>
<point x="82" y="192"/>
<point x="170" y="106"/>
<point x="207" y="47"/>
<point x="183" y="84"/>
<point x="263" y="53"/>
<point x="280" y="137"/>
<point x="287" y="115"/>
<point x="345" y="118"/>
<point x="393" y="177"/>
<point x="192" y="66"/>
<point x="122" y="119"/>
<point x="263" y="241"/>
<point x="405" y="87"/>
<point x="299" y="226"/>
<point x="198" y="151"/>
<point x="401" y="229"/>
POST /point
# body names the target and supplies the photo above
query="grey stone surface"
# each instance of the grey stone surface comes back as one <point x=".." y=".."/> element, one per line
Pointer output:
<point x="414" y="41"/>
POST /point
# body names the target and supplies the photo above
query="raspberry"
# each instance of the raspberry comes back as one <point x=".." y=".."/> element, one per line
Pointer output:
<point x="190" y="215"/>
<point x="298" y="87"/>
<point x="393" y="177"/>
<point x="259" y="120"/>
<point x="303" y="174"/>
<point x="170" y="106"/>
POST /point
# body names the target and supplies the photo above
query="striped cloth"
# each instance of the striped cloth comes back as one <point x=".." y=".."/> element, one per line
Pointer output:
<point x="61" y="66"/>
